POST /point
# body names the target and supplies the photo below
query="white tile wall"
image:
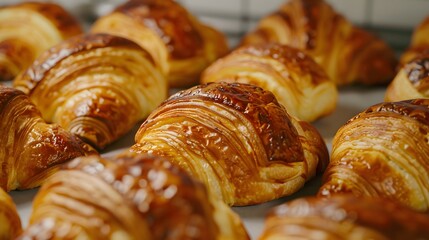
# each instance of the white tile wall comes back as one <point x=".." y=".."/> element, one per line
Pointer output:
<point x="398" y="13"/>
<point x="260" y="8"/>
<point x="226" y="7"/>
<point x="235" y="17"/>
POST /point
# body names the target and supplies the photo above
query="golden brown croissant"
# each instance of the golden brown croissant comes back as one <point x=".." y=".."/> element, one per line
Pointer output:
<point x="419" y="42"/>
<point x="10" y="223"/>
<point x="128" y="197"/>
<point x="27" y="30"/>
<point x="383" y="152"/>
<point x="30" y="149"/>
<point x="347" y="53"/>
<point x="344" y="217"/>
<point x="411" y="81"/>
<point x="296" y="80"/>
<point x="179" y="43"/>
<point x="237" y="139"/>
<point x="96" y="86"/>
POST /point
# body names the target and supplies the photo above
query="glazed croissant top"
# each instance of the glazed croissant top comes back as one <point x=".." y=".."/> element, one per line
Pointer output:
<point x="237" y="139"/>
<point x="296" y="80"/>
<point x="383" y="152"/>
<point x="27" y="30"/>
<point x="10" y="223"/>
<point x="97" y="86"/>
<point x="419" y="42"/>
<point x="128" y="197"/>
<point x="179" y="43"/>
<point x="411" y="81"/>
<point x="344" y="217"/>
<point x="30" y="149"/>
<point x="347" y="53"/>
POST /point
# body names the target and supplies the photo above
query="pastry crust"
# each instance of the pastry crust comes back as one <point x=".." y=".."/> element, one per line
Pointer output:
<point x="383" y="152"/>
<point x="97" y="86"/>
<point x="237" y="139"/>
<point x="344" y="217"/>
<point x="296" y="80"/>
<point x="412" y="80"/>
<point x="31" y="150"/>
<point x="180" y="44"/>
<point x="347" y="53"/>
<point x="128" y="197"/>
<point x="10" y="223"/>
<point x="46" y="23"/>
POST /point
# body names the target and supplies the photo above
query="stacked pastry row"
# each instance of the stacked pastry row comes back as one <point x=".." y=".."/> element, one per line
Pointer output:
<point x="239" y="138"/>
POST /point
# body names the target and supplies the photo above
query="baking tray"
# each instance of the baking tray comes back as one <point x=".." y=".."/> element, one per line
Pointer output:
<point x="352" y="100"/>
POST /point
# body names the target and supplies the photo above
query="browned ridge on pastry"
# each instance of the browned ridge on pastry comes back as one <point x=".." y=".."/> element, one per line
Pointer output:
<point x="344" y="217"/>
<point x="128" y="197"/>
<point x="27" y="30"/>
<point x="412" y="80"/>
<point x="347" y="53"/>
<point x="237" y="139"/>
<point x="97" y="86"/>
<point x="383" y="152"/>
<point x="30" y="149"/>
<point x="296" y="80"/>
<point x="10" y="223"/>
<point x="179" y="42"/>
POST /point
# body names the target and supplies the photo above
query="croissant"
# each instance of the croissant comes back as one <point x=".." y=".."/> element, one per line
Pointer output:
<point x="128" y="197"/>
<point x="296" y="80"/>
<point x="30" y="149"/>
<point x="237" y="139"/>
<point x="419" y="42"/>
<point x="383" y="152"/>
<point x="10" y="223"/>
<point x="344" y="217"/>
<point x="27" y="30"/>
<point x="347" y="53"/>
<point x="180" y="44"/>
<point x="96" y="86"/>
<point x="411" y="81"/>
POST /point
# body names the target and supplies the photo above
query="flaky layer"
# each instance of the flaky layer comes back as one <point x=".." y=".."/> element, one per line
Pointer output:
<point x="179" y="43"/>
<point x="10" y="223"/>
<point x="347" y="53"/>
<point x="344" y="217"/>
<point x="27" y="30"/>
<point x="383" y="152"/>
<point x="298" y="82"/>
<point x="235" y="138"/>
<point x="96" y="86"/>
<point x="31" y="150"/>
<point x="128" y="197"/>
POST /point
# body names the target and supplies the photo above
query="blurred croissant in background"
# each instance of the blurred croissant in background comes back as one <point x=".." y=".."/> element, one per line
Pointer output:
<point x="296" y="80"/>
<point x="347" y="53"/>
<point x="181" y="45"/>
<point x="419" y="42"/>
<point x="128" y="197"/>
<point x="237" y="139"/>
<point x="10" y="223"/>
<point x="344" y="217"/>
<point x="412" y="79"/>
<point x="27" y="30"/>
<point x="30" y="149"/>
<point x="383" y="152"/>
<point x="97" y="86"/>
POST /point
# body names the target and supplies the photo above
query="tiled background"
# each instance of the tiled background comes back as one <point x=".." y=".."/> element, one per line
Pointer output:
<point x="392" y="20"/>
